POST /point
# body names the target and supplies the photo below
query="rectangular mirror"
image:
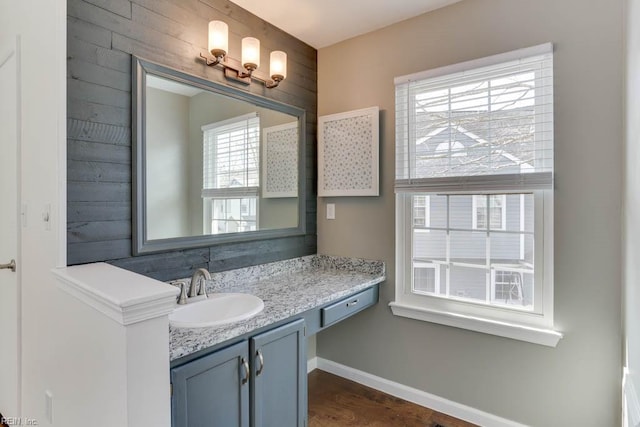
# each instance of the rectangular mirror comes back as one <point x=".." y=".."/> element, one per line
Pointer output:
<point x="212" y="164"/>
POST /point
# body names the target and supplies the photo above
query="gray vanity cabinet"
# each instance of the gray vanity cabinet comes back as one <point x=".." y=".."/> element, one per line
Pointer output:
<point x="261" y="382"/>
<point x="279" y="377"/>
<point x="212" y="391"/>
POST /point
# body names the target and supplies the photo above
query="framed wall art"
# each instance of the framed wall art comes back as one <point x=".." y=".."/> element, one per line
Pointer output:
<point x="348" y="150"/>
<point x="280" y="161"/>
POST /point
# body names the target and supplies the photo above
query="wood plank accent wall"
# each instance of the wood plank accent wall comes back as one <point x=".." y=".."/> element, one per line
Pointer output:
<point x="102" y="36"/>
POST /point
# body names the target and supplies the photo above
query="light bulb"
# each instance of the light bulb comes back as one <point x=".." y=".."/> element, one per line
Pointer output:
<point x="278" y="65"/>
<point x="218" y="38"/>
<point x="250" y="53"/>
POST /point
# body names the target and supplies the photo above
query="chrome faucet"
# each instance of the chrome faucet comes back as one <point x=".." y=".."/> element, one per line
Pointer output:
<point x="198" y="286"/>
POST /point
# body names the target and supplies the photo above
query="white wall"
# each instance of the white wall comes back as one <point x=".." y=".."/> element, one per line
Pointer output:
<point x="167" y="148"/>
<point x="42" y="28"/>
<point x="91" y="370"/>
<point x="578" y="382"/>
<point x="632" y="208"/>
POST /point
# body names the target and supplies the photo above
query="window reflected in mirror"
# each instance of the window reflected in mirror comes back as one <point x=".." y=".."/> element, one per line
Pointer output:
<point x="215" y="164"/>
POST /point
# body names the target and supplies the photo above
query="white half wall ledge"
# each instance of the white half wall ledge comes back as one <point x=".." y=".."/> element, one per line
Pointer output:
<point x="119" y="294"/>
<point x="414" y="395"/>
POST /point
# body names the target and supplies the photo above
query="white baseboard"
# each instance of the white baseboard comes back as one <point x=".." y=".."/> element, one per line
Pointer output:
<point x="414" y="395"/>
<point x="312" y="364"/>
<point x="631" y="414"/>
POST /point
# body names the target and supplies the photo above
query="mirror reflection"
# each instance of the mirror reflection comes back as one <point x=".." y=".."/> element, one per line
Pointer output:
<point x="216" y="165"/>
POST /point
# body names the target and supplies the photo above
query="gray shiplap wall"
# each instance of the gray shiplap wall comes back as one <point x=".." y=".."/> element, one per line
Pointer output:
<point x="102" y="36"/>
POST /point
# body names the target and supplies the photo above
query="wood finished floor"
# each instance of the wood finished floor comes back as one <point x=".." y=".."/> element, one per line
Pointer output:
<point x="337" y="402"/>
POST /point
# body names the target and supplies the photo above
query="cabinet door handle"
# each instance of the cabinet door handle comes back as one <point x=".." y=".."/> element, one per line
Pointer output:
<point x="352" y="303"/>
<point x="261" y="360"/>
<point x="245" y="365"/>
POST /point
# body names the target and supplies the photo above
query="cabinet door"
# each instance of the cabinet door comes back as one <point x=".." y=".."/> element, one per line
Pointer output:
<point x="212" y="391"/>
<point x="279" y="377"/>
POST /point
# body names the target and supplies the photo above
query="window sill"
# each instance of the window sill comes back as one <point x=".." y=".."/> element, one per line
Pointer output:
<point x="546" y="337"/>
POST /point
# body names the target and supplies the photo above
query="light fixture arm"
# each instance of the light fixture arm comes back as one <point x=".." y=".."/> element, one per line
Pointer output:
<point x="213" y="62"/>
<point x="233" y="70"/>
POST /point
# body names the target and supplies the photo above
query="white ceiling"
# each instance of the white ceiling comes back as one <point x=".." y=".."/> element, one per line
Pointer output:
<point x="321" y="23"/>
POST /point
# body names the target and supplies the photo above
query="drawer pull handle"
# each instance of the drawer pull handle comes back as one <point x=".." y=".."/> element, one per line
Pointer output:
<point x="245" y="365"/>
<point x="261" y="360"/>
<point x="352" y="303"/>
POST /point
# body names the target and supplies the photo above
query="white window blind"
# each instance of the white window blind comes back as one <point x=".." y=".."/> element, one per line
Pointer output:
<point x="478" y="126"/>
<point x="231" y="157"/>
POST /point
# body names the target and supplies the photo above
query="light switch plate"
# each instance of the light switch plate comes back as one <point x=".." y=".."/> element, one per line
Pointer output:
<point x="48" y="398"/>
<point x="331" y="211"/>
<point x="46" y="216"/>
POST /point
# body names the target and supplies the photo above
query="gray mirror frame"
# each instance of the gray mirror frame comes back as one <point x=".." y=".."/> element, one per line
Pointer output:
<point x="141" y="244"/>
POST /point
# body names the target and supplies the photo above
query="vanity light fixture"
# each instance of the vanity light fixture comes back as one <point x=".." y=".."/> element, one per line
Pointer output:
<point x="246" y="69"/>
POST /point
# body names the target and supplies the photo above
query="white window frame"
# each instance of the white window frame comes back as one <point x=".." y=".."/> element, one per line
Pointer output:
<point x="474" y="212"/>
<point x="535" y="326"/>
<point x="210" y="194"/>
<point x="427" y="213"/>
<point x="494" y="285"/>
<point x="436" y="276"/>
<point x="208" y="210"/>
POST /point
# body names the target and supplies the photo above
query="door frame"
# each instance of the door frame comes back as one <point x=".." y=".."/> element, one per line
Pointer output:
<point x="11" y="47"/>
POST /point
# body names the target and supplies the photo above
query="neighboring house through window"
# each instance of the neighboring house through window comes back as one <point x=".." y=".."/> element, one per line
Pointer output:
<point x="231" y="159"/>
<point x="474" y="184"/>
<point x="421" y="212"/>
<point x="492" y="206"/>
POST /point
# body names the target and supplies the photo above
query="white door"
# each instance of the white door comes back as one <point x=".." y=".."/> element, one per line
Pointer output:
<point x="9" y="231"/>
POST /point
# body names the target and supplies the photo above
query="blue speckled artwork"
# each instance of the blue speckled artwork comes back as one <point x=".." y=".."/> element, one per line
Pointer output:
<point x="348" y="153"/>
<point x="280" y="161"/>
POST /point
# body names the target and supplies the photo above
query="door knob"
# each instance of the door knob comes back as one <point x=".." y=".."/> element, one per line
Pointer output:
<point x="11" y="266"/>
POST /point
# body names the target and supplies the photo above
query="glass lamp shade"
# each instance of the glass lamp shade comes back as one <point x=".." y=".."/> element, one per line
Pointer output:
<point x="278" y="65"/>
<point x="218" y="38"/>
<point x="250" y="53"/>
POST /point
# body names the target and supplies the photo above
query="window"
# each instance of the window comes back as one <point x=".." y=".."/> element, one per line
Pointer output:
<point x="426" y="278"/>
<point x="492" y="206"/>
<point x="474" y="195"/>
<point x="507" y="287"/>
<point x="231" y="159"/>
<point x="421" y="211"/>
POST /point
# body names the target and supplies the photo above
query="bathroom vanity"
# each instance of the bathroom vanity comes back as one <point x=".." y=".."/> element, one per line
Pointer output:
<point x="254" y="372"/>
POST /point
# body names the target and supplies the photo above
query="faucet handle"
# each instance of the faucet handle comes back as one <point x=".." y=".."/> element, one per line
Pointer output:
<point x="203" y="287"/>
<point x="183" y="293"/>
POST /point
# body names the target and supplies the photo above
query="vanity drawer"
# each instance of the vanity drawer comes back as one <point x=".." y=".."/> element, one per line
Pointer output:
<point x="349" y="306"/>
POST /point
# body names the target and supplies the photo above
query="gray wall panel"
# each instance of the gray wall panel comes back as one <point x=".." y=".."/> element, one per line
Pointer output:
<point x="95" y="54"/>
<point x="97" y="191"/>
<point x="99" y="251"/>
<point x="120" y="7"/>
<point x="85" y="31"/>
<point x="98" y="172"/>
<point x="97" y="94"/>
<point x="92" y="73"/>
<point x="98" y="132"/>
<point x="98" y="152"/>
<point x="98" y="211"/>
<point x="78" y="232"/>
<point x="102" y="36"/>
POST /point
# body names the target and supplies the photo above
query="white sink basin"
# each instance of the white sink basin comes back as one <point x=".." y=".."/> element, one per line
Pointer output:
<point x="216" y="310"/>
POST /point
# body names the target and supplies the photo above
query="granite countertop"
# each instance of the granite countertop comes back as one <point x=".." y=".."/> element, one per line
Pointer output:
<point x="288" y="288"/>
